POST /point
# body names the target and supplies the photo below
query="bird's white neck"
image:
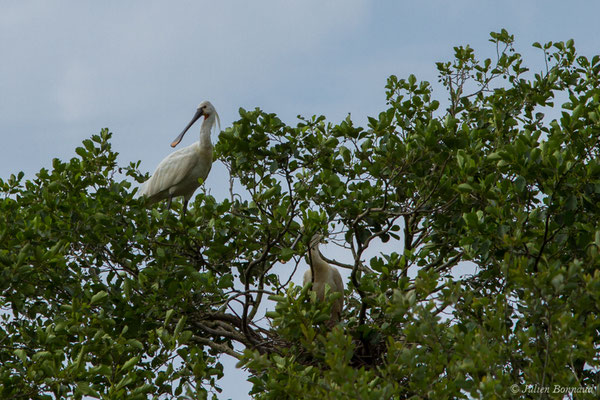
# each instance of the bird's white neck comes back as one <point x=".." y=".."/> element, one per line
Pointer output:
<point x="205" y="129"/>
<point x="319" y="266"/>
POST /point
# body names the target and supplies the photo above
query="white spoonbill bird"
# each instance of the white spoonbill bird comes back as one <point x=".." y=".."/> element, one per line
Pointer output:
<point x="322" y="274"/>
<point x="178" y="173"/>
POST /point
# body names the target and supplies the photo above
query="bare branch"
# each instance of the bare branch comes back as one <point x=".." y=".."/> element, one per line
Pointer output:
<point x="218" y="347"/>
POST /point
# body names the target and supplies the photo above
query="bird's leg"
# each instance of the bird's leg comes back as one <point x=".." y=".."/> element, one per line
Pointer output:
<point x="169" y="203"/>
<point x="185" y="202"/>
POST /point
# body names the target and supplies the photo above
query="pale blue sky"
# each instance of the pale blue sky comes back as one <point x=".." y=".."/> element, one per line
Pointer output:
<point x="140" y="68"/>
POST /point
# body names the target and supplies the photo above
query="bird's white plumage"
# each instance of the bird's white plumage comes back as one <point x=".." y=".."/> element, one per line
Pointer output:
<point x="178" y="174"/>
<point x="324" y="275"/>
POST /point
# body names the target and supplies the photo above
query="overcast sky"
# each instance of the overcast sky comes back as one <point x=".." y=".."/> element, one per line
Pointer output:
<point x="141" y="68"/>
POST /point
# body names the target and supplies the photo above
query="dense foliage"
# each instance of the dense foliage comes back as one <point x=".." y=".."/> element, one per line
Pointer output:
<point x="104" y="298"/>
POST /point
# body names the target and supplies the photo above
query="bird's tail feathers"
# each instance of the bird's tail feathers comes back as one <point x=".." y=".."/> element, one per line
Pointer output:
<point x="141" y="190"/>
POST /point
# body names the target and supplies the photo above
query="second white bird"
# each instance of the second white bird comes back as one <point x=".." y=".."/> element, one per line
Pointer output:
<point x="322" y="274"/>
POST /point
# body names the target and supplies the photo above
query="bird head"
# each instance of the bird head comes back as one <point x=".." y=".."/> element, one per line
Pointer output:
<point x="316" y="240"/>
<point x="205" y="109"/>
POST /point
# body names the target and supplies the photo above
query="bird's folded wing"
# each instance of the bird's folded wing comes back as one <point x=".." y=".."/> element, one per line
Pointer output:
<point x="337" y="281"/>
<point x="171" y="171"/>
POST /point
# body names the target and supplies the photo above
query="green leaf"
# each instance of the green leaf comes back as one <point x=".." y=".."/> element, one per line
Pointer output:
<point x="98" y="297"/>
<point x="130" y="363"/>
<point x="345" y="154"/>
<point x="465" y="187"/>
<point x="85" y="389"/>
<point x="571" y="203"/>
<point x="168" y="316"/>
<point x="21" y="354"/>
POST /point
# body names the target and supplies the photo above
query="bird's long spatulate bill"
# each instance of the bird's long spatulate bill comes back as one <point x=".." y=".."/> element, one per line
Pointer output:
<point x="194" y="119"/>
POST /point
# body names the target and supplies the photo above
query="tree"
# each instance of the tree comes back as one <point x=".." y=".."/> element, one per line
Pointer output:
<point x="106" y="299"/>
